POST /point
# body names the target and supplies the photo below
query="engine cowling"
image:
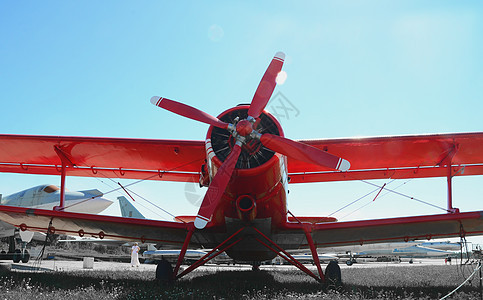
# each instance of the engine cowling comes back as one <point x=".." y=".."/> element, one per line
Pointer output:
<point x="253" y="153"/>
<point x="259" y="172"/>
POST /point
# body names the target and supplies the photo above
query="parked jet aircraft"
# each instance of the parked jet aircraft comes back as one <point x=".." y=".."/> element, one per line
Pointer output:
<point x="247" y="164"/>
<point x="349" y="254"/>
<point x="399" y="250"/>
<point x="46" y="196"/>
<point x="190" y="256"/>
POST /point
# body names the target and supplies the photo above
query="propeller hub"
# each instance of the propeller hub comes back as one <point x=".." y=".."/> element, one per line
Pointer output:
<point x="244" y="128"/>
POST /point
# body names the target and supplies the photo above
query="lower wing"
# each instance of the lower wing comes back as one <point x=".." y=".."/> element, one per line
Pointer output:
<point x="77" y="224"/>
<point x="390" y="230"/>
<point x="290" y="236"/>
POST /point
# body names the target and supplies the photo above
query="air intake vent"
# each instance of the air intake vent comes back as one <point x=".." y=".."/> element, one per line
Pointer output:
<point x="253" y="153"/>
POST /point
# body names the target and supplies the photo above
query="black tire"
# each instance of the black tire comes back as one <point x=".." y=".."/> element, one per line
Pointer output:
<point x="17" y="255"/>
<point x="349" y="262"/>
<point x="164" y="271"/>
<point x="25" y="257"/>
<point x="333" y="276"/>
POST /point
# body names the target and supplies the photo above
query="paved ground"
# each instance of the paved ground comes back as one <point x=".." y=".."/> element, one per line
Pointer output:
<point x="60" y="265"/>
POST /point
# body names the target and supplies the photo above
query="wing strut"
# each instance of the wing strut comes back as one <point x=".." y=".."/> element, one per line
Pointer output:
<point x="449" y="176"/>
<point x="66" y="161"/>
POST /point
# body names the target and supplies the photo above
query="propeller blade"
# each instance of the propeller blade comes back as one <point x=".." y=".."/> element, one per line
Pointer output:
<point x="188" y="111"/>
<point x="217" y="188"/>
<point x="303" y="152"/>
<point x="266" y="86"/>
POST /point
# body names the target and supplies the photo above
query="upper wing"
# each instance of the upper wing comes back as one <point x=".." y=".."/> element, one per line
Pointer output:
<point x="106" y="157"/>
<point x="384" y="230"/>
<point x="395" y="157"/>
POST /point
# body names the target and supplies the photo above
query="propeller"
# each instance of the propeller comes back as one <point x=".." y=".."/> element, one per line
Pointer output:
<point x="217" y="187"/>
<point x="188" y="112"/>
<point x="303" y="152"/>
<point x="266" y="86"/>
<point x="243" y="130"/>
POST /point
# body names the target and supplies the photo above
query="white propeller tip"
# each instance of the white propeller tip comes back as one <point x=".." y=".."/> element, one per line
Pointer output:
<point x="344" y="165"/>
<point x="280" y="56"/>
<point x="200" y="222"/>
<point x="155" y="100"/>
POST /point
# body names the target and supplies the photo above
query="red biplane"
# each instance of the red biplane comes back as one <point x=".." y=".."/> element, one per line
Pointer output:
<point x="247" y="163"/>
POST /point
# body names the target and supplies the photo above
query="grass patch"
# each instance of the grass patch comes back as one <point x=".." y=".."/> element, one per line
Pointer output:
<point x="391" y="282"/>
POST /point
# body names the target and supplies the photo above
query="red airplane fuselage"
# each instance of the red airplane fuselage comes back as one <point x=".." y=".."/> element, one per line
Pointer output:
<point x="257" y="192"/>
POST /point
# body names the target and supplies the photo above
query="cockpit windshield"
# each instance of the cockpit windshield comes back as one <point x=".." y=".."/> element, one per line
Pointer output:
<point x="51" y="188"/>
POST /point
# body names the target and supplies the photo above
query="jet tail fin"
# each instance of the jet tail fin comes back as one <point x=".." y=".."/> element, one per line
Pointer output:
<point x="128" y="210"/>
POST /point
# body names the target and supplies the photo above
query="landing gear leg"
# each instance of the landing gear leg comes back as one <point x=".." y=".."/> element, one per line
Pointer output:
<point x="25" y="255"/>
<point x="17" y="255"/>
<point x="351" y="259"/>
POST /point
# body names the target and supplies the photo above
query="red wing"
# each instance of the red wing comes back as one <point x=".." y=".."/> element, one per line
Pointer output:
<point x="107" y="157"/>
<point x="128" y="229"/>
<point x="172" y="234"/>
<point x="395" y="157"/>
<point x="388" y="230"/>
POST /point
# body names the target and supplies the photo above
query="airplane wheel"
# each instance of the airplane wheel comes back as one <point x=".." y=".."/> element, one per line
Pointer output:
<point x="17" y="255"/>
<point x="332" y="274"/>
<point x="164" y="271"/>
<point x="3" y="254"/>
<point x="26" y="257"/>
<point x="349" y="262"/>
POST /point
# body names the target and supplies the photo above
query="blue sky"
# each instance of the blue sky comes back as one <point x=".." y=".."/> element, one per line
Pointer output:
<point x="355" y="68"/>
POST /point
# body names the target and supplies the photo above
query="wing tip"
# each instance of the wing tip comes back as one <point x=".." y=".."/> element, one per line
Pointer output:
<point x="200" y="222"/>
<point x="280" y="56"/>
<point x="155" y="100"/>
<point x="344" y="165"/>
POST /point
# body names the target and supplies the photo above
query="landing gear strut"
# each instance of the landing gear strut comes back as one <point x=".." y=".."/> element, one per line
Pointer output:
<point x="332" y="272"/>
<point x="351" y="260"/>
<point x="17" y="255"/>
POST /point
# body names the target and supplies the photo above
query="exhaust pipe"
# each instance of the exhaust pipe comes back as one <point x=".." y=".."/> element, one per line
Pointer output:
<point x="246" y="208"/>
